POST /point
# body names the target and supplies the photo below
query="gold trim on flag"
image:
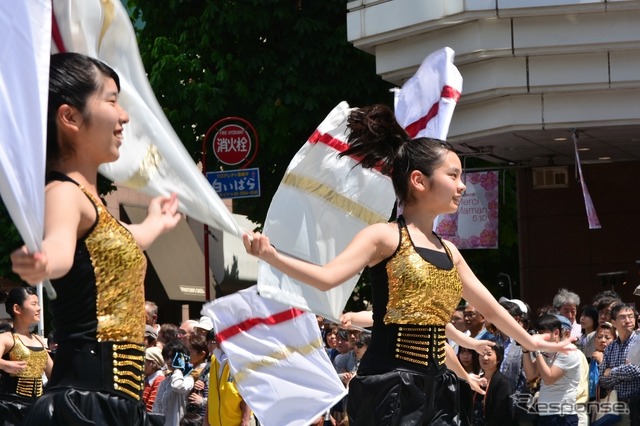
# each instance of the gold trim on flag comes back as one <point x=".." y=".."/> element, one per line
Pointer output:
<point x="147" y="169"/>
<point x="109" y="11"/>
<point x="275" y="357"/>
<point x="328" y="194"/>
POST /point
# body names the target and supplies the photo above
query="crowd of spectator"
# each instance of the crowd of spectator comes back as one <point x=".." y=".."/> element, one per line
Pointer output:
<point x="188" y="381"/>
<point x="599" y="383"/>
<point x="533" y="388"/>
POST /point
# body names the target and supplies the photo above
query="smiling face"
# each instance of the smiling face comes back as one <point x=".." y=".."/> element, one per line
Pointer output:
<point x="444" y="189"/>
<point x="102" y="128"/>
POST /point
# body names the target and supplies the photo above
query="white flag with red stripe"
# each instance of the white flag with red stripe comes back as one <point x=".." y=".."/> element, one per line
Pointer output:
<point x="152" y="158"/>
<point x="277" y="358"/>
<point x="322" y="202"/>
<point x="425" y="103"/>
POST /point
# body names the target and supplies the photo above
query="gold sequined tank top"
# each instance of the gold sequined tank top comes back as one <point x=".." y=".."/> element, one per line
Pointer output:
<point x="413" y="299"/>
<point x="419" y="292"/>
<point x="28" y="382"/>
<point x="102" y="296"/>
<point x="120" y="267"/>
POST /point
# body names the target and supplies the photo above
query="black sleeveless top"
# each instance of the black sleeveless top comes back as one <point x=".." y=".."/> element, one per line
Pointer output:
<point x="415" y="291"/>
<point x="102" y="296"/>
<point x="99" y="314"/>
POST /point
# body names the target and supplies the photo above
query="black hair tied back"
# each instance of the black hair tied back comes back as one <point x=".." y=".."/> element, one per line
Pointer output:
<point x="375" y="137"/>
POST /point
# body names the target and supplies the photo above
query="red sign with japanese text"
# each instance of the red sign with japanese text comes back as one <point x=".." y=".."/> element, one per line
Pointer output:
<point x="232" y="144"/>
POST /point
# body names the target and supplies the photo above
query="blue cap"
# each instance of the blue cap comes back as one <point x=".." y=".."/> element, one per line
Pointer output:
<point x="566" y="324"/>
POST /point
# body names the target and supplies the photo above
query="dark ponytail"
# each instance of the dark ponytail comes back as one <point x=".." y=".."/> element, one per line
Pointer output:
<point x="375" y="137"/>
<point x="377" y="140"/>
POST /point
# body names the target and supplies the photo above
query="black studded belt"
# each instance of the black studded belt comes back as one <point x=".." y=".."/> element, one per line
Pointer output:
<point x="116" y="367"/>
<point x="419" y="344"/>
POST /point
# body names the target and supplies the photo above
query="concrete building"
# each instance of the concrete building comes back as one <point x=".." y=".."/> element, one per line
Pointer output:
<point x="534" y="70"/>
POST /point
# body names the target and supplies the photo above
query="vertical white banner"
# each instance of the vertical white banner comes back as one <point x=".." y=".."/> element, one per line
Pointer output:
<point x="25" y="43"/>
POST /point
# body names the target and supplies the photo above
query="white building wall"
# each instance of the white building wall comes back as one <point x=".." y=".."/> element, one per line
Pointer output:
<point x="526" y="64"/>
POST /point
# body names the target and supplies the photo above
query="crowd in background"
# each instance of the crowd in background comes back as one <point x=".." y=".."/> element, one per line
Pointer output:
<point x="188" y="381"/>
<point x="597" y="384"/>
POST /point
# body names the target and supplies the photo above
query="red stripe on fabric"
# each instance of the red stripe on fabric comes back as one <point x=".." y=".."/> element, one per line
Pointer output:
<point x="55" y="33"/>
<point x="450" y="92"/>
<point x="246" y="325"/>
<point x="328" y="140"/>
<point x="336" y="144"/>
<point x="414" y="128"/>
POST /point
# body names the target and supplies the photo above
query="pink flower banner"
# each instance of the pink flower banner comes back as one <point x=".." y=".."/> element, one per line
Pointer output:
<point x="475" y="224"/>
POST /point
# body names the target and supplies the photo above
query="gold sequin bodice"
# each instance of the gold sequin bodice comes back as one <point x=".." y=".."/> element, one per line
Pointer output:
<point x="120" y="266"/>
<point x="29" y="380"/>
<point x="36" y="360"/>
<point x="419" y="292"/>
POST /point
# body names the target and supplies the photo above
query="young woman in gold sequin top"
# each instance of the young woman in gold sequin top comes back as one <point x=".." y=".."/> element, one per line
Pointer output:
<point x="417" y="279"/>
<point x="94" y="262"/>
<point x="24" y="357"/>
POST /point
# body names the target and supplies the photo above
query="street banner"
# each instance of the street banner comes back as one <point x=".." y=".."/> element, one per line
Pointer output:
<point x="475" y="224"/>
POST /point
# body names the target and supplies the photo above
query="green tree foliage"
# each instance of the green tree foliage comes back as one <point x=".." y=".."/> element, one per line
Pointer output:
<point x="280" y="64"/>
<point x="9" y="241"/>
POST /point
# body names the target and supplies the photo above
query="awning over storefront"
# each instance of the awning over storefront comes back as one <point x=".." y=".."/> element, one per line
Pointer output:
<point x="177" y="259"/>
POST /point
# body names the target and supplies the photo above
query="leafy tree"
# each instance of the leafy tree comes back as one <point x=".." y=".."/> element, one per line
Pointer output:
<point x="280" y="64"/>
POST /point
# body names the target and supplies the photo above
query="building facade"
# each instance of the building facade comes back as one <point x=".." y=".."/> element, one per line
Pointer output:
<point x="535" y="73"/>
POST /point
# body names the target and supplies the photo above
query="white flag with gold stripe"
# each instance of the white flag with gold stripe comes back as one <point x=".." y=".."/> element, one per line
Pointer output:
<point x="322" y="202"/>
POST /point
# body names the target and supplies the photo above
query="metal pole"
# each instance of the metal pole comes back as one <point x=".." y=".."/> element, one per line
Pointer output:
<point x="207" y="285"/>
<point x="41" y="302"/>
<point x="207" y="292"/>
